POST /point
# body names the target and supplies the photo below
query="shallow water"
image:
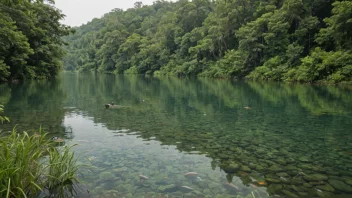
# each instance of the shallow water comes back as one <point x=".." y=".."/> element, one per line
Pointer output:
<point x="242" y="139"/>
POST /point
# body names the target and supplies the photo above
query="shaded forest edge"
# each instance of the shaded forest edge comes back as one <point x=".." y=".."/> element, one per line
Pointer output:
<point x="280" y="40"/>
<point x="30" y="39"/>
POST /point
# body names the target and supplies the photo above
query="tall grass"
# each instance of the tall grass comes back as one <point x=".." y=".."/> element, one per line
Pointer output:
<point x="32" y="165"/>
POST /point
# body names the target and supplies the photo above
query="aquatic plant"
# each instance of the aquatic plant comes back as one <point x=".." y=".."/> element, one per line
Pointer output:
<point x="31" y="165"/>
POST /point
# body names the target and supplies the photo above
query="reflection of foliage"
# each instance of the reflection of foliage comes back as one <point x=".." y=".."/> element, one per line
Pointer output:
<point x="317" y="99"/>
<point x="33" y="104"/>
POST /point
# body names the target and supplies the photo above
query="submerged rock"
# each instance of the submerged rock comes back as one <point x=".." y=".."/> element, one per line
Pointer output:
<point x="232" y="168"/>
<point x="274" y="188"/>
<point x="326" y="187"/>
<point x="186" y="189"/>
<point x="231" y="187"/>
<point x="324" y="194"/>
<point x="340" y="185"/>
<point x="289" y="193"/>
<point x="106" y="176"/>
<point x="275" y="168"/>
<point x="167" y="188"/>
<point x="315" y="177"/>
<point x="304" y="159"/>
<point x="272" y="180"/>
<point x="347" y="180"/>
<point x="245" y="168"/>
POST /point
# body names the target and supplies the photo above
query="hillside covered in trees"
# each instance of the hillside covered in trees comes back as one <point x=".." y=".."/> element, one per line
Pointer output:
<point x="30" y="39"/>
<point x="284" y="40"/>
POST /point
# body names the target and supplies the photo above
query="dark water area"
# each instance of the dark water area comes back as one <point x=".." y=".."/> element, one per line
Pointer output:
<point x="193" y="137"/>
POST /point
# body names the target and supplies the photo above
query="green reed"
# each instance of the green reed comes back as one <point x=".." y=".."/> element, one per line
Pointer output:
<point x="30" y="165"/>
<point x="3" y="118"/>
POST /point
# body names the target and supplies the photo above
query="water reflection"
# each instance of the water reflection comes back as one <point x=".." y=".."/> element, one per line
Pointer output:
<point x="248" y="139"/>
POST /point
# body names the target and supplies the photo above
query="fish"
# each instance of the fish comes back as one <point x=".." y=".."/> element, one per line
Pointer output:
<point x="82" y="141"/>
<point x="191" y="174"/>
<point x="142" y="177"/>
<point x="58" y="140"/>
<point x="91" y="158"/>
<point x="231" y="186"/>
<point x="247" y="108"/>
<point x="186" y="187"/>
<point x="261" y="183"/>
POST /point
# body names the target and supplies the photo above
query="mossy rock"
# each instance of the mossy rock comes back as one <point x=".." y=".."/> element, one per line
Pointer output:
<point x="289" y="193"/>
<point x="167" y="188"/>
<point x="326" y="187"/>
<point x="274" y="188"/>
<point x="275" y="168"/>
<point x="340" y="185"/>
<point x="315" y="177"/>
<point x="231" y="168"/>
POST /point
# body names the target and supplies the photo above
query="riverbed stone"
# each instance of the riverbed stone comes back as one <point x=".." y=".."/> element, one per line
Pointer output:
<point x="303" y="194"/>
<point x="272" y="180"/>
<point x="307" y="185"/>
<point x="231" y="168"/>
<point x="347" y="180"/>
<point x="275" y="168"/>
<point x="245" y="169"/>
<point x="299" y="188"/>
<point x="340" y="185"/>
<point x="326" y="187"/>
<point x="296" y="180"/>
<point x="167" y="188"/>
<point x="304" y="159"/>
<point x="315" y="177"/>
<point x="106" y="176"/>
<point x="252" y="165"/>
<point x="324" y="194"/>
<point x="289" y="193"/>
<point x="274" y="188"/>
<point x="282" y="174"/>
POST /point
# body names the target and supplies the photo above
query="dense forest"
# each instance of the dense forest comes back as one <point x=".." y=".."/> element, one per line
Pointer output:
<point x="30" y="39"/>
<point x="283" y="40"/>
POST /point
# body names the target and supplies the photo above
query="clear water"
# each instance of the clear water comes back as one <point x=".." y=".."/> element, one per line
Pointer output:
<point x="242" y="139"/>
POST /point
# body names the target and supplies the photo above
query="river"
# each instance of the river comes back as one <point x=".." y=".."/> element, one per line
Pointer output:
<point x="193" y="137"/>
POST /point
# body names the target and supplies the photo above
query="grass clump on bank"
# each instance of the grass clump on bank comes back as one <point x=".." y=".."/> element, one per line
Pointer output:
<point x="32" y="165"/>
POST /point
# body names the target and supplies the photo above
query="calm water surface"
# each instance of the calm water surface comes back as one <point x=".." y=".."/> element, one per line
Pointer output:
<point x="240" y="139"/>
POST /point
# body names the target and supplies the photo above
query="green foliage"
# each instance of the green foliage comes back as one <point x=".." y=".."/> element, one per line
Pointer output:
<point x="339" y="26"/>
<point x="30" y="39"/>
<point x="257" y="39"/>
<point x="25" y="171"/>
<point x="323" y="66"/>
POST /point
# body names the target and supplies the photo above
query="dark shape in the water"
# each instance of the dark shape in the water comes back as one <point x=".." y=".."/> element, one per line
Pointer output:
<point x="107" y="106"/>
<point x="57" y="139"/>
